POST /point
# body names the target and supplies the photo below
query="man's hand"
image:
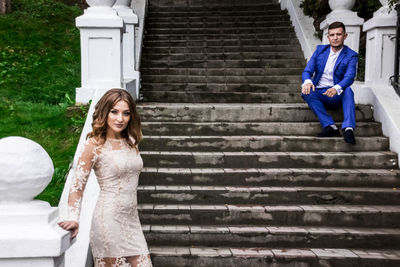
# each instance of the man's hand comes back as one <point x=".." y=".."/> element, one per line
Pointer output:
<point x="70" y="226"/>
<point x="306" y="89"/>
<point x="331" y="92"/>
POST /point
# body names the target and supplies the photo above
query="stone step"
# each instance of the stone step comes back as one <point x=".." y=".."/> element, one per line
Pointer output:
<point x="258" y="236"/>
<point x="226" y="19"/>
<point x="327" y="177"/>
<point x="247" y="128"/>
<point x="213" y="112"/>
<point x="221" y="36"/>
<point x="222" y="56"/>
<point x="151" y="24"/>
<point x="203" y="195"/>
<point x="261" y="143"/>
<point x="245" y="63"/>
<point x="284" y="215"/>
<point x="223" y="87"/>
<point x="219" y="30"/>
<point x="220" y="97"/>
<point x="221" y="13"/>
<point x="221" y="49"/>
<point x="220" y="43"/>
<point x="262" y="7"/>
<point x="208" y="3"/>
<point x="283" y="79"/>
<point x="272" y="256"/>
<point x="270" y="73"/>
<point x="341" y="160"/>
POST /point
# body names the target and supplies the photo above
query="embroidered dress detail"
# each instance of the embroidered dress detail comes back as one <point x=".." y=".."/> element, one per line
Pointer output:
<point x="116" y="234"/>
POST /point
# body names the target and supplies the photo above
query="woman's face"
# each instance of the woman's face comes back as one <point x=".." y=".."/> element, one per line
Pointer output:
<point x="118" y="118"/>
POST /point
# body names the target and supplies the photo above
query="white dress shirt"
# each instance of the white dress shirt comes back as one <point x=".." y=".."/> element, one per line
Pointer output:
<point x="326" y="80"/>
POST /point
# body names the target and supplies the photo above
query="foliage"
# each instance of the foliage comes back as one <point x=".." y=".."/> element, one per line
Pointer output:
<point x="39" y="71"/>
<point x="39" y="51"/>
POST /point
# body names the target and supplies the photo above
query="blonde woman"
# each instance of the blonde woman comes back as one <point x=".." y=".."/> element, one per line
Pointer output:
<point x="111" y="150"/>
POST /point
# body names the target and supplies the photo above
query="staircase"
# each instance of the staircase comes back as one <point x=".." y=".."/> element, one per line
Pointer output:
<point x="234" y="173"/>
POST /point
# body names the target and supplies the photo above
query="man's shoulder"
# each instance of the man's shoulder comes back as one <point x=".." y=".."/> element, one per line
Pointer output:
<point x="350" y="51"/>
<point x="322" y="47"/>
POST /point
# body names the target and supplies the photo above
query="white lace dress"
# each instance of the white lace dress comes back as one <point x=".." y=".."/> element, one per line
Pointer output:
<point x="116" y="234"/>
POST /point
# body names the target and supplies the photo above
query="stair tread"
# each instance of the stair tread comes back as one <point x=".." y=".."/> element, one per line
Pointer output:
<point x="324" y="208"/>
<point x="378" y="254"/>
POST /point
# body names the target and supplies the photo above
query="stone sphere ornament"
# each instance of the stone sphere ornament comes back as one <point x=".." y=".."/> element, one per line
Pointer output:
<point x="25" y="169"/>
<point x="101" y="3"/>
<point x="341" y="4"/>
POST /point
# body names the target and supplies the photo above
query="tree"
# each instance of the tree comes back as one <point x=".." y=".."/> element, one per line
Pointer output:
<point x="5" y="6"/>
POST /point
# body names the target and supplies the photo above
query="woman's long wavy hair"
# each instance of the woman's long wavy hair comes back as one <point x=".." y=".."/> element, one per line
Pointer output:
<point x="103" y="108"/>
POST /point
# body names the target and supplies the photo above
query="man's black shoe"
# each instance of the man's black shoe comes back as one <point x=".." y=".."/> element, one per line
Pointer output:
<point x="328" y="131"/>
<point x="348" y="137"/>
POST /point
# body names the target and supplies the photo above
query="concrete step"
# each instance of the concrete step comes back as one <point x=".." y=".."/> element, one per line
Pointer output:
<point x="223" y="56"/>
<point x="208" y="3"/>
<point x="220" y="43"/>
<point x="203" y="195"/>
<point x="223" y="87"/>
<point x="284" y="79"/>
<point x="226" y="19"/>
<point x="272" y="256"/>
<point x="261" y="143"/>
<point x="171" y="128"/>
<point x="234" y="48"/>
<point x="327" y="177"/>
<point x="221" y="97"/>
<point x="285" y="215"/>
<point x="220" y="30"/>
<point x="221" y="13"/>
<point x="213" y="112"/>
<point x="343" y="160"/>
<point x="151" y="24"/>
<point x="245" y="63"/>
<point x="269" y="73"/>
<point x="262" y="7"/>
<point x="258" y="236"/>
<point x="221" y="36"/>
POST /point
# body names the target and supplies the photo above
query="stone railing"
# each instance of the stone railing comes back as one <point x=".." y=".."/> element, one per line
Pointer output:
<point x="29" y="234"/>
<point x="110" y="51"/>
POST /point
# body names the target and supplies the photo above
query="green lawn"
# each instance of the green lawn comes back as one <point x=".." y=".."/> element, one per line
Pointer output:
<point x="39" y="71"/>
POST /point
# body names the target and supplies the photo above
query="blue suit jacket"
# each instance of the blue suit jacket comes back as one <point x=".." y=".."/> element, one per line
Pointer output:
<point x="343" y="72"/>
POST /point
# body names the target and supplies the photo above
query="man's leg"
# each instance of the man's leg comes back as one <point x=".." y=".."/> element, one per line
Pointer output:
<point x="349" y="109"/>
<point x="316" y="103"/>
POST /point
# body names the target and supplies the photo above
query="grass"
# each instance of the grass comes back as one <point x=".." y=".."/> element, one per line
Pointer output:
<point x="39" y="71"/>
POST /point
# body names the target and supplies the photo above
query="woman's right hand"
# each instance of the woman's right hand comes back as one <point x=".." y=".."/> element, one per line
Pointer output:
<point x="70" y="226"/>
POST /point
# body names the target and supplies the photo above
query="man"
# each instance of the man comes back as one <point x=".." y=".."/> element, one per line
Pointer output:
<point x="326" y="83"/>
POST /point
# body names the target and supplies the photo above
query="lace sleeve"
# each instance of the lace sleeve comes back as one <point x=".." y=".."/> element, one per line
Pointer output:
<point x="83" y="168"/>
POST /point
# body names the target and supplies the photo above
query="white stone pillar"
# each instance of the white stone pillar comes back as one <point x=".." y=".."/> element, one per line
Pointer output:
<point x="341" y="11"/>
<point x="380" y="49"/>
<point x="29" y="234"/>
<point x="131" y="76"/>
<point x="101" y="49"/>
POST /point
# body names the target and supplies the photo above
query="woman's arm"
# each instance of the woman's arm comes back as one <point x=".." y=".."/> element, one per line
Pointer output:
<point x="83" y="168"/>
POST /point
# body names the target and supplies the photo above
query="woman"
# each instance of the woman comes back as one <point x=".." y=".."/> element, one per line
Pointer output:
<point x="116" y="236"/>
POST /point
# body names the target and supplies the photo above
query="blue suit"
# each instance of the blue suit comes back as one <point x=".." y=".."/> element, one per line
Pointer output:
<point x="343" y="74"/>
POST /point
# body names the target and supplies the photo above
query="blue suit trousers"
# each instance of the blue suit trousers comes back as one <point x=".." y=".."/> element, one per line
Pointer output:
<point x="318" y="103"/>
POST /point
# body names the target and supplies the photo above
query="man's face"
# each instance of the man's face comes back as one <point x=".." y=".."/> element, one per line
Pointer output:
<point x="336" y="37"/>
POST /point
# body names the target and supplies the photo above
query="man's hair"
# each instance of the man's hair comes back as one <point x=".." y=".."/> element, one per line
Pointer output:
<point x="337" y="24"/>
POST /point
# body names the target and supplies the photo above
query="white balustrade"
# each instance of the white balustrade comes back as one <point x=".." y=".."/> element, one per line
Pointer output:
<point x="341" y="11"/>
<point x="380" y="47"/>
<point x="101" y="49"/>
<point x="131" y="75"/>
<point x="29" y="234"/>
